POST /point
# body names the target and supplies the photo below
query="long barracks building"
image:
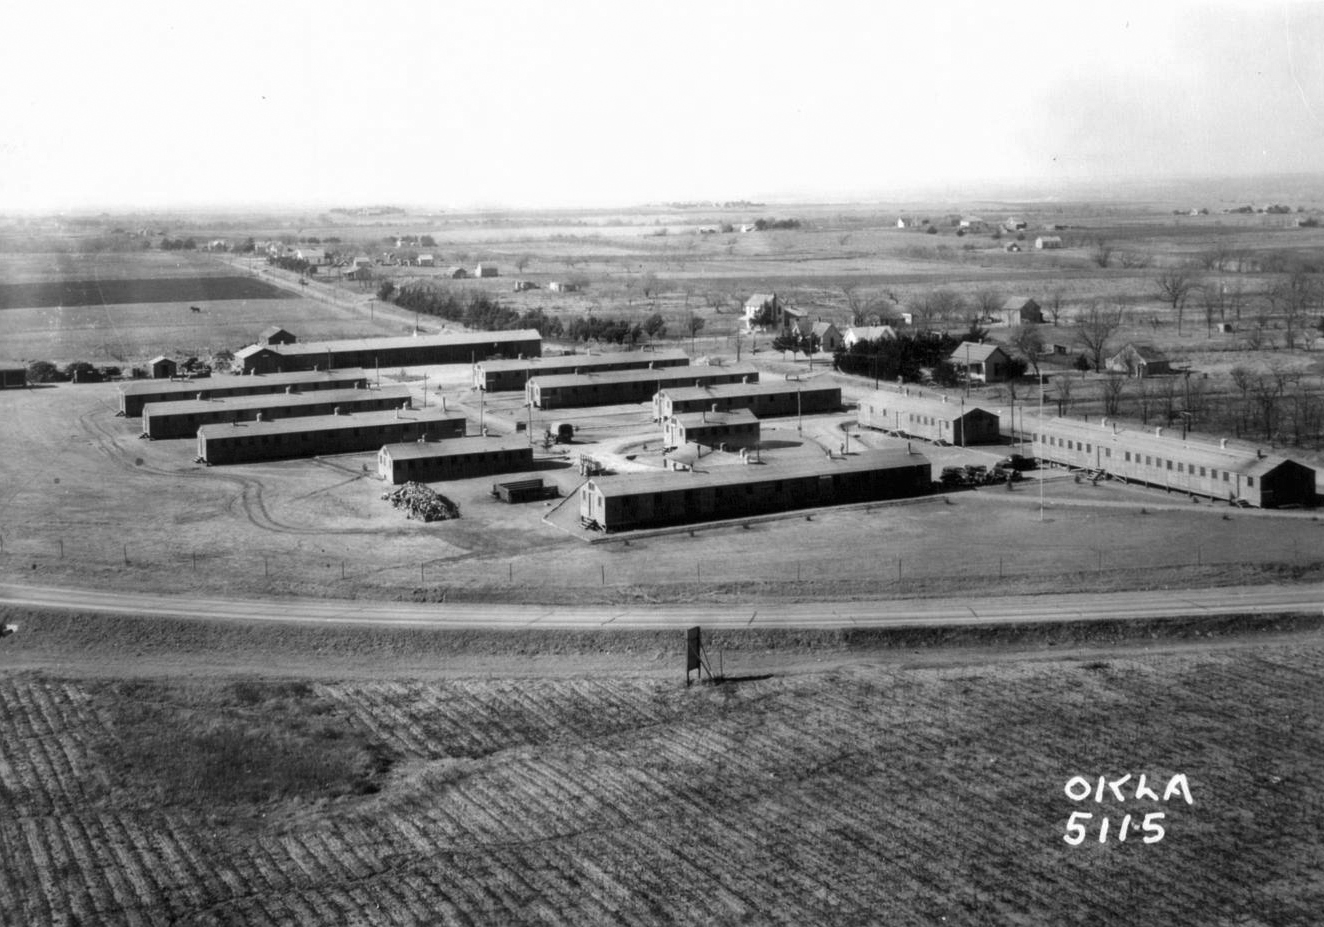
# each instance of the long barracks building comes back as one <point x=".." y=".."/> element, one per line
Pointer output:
<point x="501" y="375"/>
<point x="764" y="399"/>
<point x="183" y="419"/>
<point x="402" y="351"/>
<point x="133" y="396"/>
<point x="1195" y="466"/>
<point x="930" y="417"/>
<point x="624" y="386"/>
<point x="646" y="500"/>
<point x="322" y="434"/>
<point x="453" y="459"/>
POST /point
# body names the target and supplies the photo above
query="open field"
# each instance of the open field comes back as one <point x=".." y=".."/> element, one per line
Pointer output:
<point x="102" y="293"/>
<point x="842" y="782"/>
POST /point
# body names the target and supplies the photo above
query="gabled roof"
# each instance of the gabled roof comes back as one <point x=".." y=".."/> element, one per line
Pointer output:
<point x="274" y="330"/>
<point x="730" y="417"/>
<point x="159" y="358"/>
<point x="475" y="444"/>
<point x="969" y="352"/>
<point x="821" y="328"/>
<point x="1019" y="302"/>
<point x="871" y="332"/>
<point x="1144" y="351"/>
<point x="758" y="299"/>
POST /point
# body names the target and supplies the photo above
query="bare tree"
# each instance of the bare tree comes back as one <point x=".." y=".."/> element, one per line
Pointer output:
<point x="1101" y="252"/>
<point x="1168" y="392"/>
<point x="1095" y="327"/>
<point x="988" y="302"/>
<point x="1144" y="396"/>
<point x="1294" y="298"/>
<point x="1114" y="389"/>
<point x="1268" y="390"/>
<point x="858" y="302"/>
<point x="1027" y="340"/>
<point x="1054" y="303"/>
<point x="949" y="305"/>
<point x="1173" y="286"/>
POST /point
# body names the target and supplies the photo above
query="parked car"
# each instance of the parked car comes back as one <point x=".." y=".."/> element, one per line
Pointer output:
<point x="1018" y="462"/>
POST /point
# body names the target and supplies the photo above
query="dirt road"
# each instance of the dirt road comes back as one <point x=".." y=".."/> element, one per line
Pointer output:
<point x="926" y="612"/>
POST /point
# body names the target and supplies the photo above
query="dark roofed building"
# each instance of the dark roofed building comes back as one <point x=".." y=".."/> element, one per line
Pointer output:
<point x="1139" y="360"/>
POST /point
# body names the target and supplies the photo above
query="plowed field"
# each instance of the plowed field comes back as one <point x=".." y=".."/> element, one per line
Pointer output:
<point x="873" y="793"/>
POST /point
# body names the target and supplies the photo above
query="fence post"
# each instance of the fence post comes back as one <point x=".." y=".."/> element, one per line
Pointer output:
<point x="898" y="569"/>
<point x="603" y="567"/>
<point x="61" y="548"/>
<point x="126" y="554"/>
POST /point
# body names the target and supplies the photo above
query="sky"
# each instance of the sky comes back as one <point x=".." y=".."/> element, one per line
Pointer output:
<point x="578" y="103"/>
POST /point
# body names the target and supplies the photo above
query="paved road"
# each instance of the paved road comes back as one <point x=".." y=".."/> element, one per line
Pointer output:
<point x="914" y="612"/>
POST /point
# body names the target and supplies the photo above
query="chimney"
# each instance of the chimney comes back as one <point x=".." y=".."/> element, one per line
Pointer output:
<point x="404" y="405"/>
<point x="698" y="384"/>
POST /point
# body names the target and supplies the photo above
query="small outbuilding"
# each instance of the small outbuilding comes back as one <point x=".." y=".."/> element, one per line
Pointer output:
<point x="858" y="333"/>
<point x="724" y="430"/>
<point x="1048" y="242"/>
<point x="162" y="367"/>
<point x="485" y="270"/>
<point x="13" y="376"/>
<point x="276" y="335"/>
<point x="829" y="338"/>
<point x="932" y="417"/>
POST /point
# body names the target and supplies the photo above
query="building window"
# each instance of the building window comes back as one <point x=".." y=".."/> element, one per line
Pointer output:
<point x="1250" y="481"/>
<point x="1169" y="464"/>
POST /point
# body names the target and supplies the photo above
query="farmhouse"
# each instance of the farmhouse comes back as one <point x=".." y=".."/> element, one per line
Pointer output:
<point x="399" y="351"/>
<point x="1021" y="310"/>
<point x="500" y="375"/>
<point x="13" y="376"/>
<point x="763" y="310"/>
<point x="645" y="500"/>
<point x="1138" y="360"/>
<point x="183" y="419"/>
<point x="427" y="260"/>
<point x="314" y="256"/>
<point x="858" y="333"/>
<point x="1012" y="246"/>
<point x="933" y="418"/>
<point x="523" y="285"/>
<point x="985" y="363"/>
<point x="724" y="430"/>
<point x="453" y="459"/>
<point x="485" y="270"/>
<point x="560" y="286"/>
<point x="1048" y="242"/>
<point x="276" y="335"/>
<point x="622" y="386"/>
<point x="314" y="436"/>
<point x="133" y="396"/>
<point x="829" y="338"/>
<point x="1192" y="465"/>
<point x="764" y="399"/>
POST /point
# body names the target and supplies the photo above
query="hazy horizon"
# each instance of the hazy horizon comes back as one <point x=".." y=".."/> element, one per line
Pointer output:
<point x="580" y="104"/>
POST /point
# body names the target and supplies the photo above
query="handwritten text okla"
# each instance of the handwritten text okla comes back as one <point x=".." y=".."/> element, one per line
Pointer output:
<point x="1079" y="789"/>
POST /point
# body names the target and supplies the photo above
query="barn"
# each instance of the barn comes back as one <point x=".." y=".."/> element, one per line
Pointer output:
<point x="485" y="270"/>
<point x="162" y="367"/>
<point x="623" y="386"/>
<point x="931" y="417"/>
<point x="183" y="419"/>
<point x="764" y="399"/>
<point x="1048" y="242"/>
<point x="646" y="500"/>
<point x="133" y="396"/>
<point x="399" y="351"/>
<point x="13" y="376"/>
<point x="314" y="436"/>
<point x="453" y="459"/>
<point x="1139" y="360"/>
<point x="724" y="430"/>
<point x="501" y="375"/>
<point x="1022" y="310"/>
<point x="1197" y="466"/>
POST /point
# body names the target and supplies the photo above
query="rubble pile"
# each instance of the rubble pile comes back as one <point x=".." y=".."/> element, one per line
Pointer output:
<point x="422" y="503"/>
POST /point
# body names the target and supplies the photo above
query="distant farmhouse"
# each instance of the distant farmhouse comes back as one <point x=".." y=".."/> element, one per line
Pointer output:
<point x="763" y="310"/>
<point x="1048" y="242"/>
<point x="1138" y="360"/>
